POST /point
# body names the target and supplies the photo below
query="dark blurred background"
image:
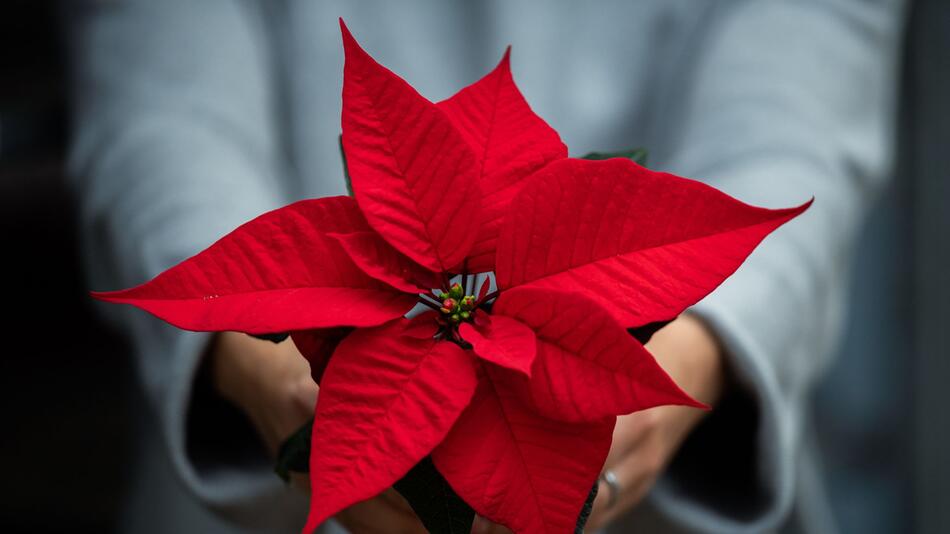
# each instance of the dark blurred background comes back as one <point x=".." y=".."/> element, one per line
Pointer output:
<point x="65" y="380"/>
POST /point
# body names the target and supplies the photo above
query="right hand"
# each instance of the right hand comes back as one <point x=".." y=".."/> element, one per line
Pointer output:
<point x="271" y="383"/>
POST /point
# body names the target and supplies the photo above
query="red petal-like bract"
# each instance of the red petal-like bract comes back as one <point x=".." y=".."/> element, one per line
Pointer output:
<point x="413" y="174"/>
<point x="483" y="291"/>
<point x="423" y="326"/>
<point x="386" y="400"/>
<point x="277" y="273"/>
<point x="588" y="366"/>
<point x="503" y="341"/>
<point x="644" y="245"/>
<point x="510" y="142"/>
<point x="517" y="468"/>
<point x="583" y="250"/>
<point x="379" y="259"/>
<point x="317" y="347"/>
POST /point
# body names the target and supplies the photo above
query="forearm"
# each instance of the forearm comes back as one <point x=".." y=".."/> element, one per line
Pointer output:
<point x="173" y="147"/>
<point x="790" y="100"/>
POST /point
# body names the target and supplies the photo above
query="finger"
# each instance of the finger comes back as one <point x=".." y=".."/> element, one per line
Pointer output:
<point x="599" y="507"/>
<point x="305" y="393"/>
<point x="635" y="474"/>
<point x="395" y="499"/>
<point x="300" y="481"/>
<point x="379" y="516"/>
<point x="486" y="526"/>
<point x="629" y="433"/>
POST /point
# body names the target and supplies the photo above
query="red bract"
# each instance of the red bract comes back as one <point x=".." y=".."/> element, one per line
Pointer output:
<point x="516" y="404"/>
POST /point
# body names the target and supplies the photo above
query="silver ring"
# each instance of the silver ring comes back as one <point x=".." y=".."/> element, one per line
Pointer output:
<point x="610" y="479"/>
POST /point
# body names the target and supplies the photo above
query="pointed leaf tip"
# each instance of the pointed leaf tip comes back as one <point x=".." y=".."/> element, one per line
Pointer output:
<point x="600" y="369"/>
<point x="223" y="288"/>
<point x="511" y="143"/>
<point x="411" y="391"/>
<point x="410" y="177"/>
<point x="675" y="239"/>
<point x="350" y="44"/>
<point x="344" y="30"/>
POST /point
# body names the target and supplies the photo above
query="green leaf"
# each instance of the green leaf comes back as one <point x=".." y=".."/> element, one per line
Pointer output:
<point x="294" y="453"/>
<point x="439" y="508"/>
<point x="346" y="168"/>
<point x="273" y="338"/>
<point x="638" y="155"/>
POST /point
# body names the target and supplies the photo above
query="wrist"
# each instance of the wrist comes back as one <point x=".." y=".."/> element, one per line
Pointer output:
<point x="234" y="367"/>
<point x="692" y="355"/>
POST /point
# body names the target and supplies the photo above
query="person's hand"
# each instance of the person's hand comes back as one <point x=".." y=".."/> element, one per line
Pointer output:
<point x="271" y="383"/>
<point x="387" y="513"/>
<point x="645" y="441"/>
<point x="484" y="526"/>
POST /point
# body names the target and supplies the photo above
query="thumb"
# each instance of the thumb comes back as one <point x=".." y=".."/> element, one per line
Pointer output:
<point x="305" y="393"/>
<point x="486" y="526"/>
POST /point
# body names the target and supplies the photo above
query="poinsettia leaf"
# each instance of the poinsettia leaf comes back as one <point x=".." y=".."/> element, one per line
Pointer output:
<point x="644" y="245"/>
<point x="636" y="155"/>
<point x="503" y="341"/>
<point x="380" y="260"/>
<point x="317" y="346"/>
<point x="413" y="174"/>
<point x="510" y="142"/>
<point x="422" y="326"/>
<point x="644" y="333"/>
<point x="294" y="452"/>
<point x="436" y="504"/>
<point x="386" y="400"/>
<point x="517" y="468"/>
<point x="588" y="366"/>
<point x="277" y="273"/>
<point x="273" y="338"/>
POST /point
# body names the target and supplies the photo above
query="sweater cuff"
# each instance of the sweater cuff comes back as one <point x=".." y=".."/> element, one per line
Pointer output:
<point x="734" y="472"/>
<point x="235" y="482"/>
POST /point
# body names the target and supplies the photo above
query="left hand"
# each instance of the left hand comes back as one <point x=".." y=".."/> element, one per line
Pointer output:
<point x="645" y="441"/>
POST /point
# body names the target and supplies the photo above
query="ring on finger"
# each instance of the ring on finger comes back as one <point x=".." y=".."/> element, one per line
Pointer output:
<point x="609" y="478"/>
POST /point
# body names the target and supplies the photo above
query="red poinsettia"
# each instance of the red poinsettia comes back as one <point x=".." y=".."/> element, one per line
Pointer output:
<point x="515" y="401"/>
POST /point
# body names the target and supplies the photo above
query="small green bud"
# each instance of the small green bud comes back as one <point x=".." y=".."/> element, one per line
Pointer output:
<point x="465" y="315"/>
<point x="455" y="318"/>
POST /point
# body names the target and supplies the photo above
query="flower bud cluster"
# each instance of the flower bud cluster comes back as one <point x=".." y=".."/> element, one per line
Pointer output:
<point x="456" y="305"/>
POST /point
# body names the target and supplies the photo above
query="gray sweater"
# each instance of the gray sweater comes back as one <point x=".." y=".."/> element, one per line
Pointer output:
<point x="193" y="117"/>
